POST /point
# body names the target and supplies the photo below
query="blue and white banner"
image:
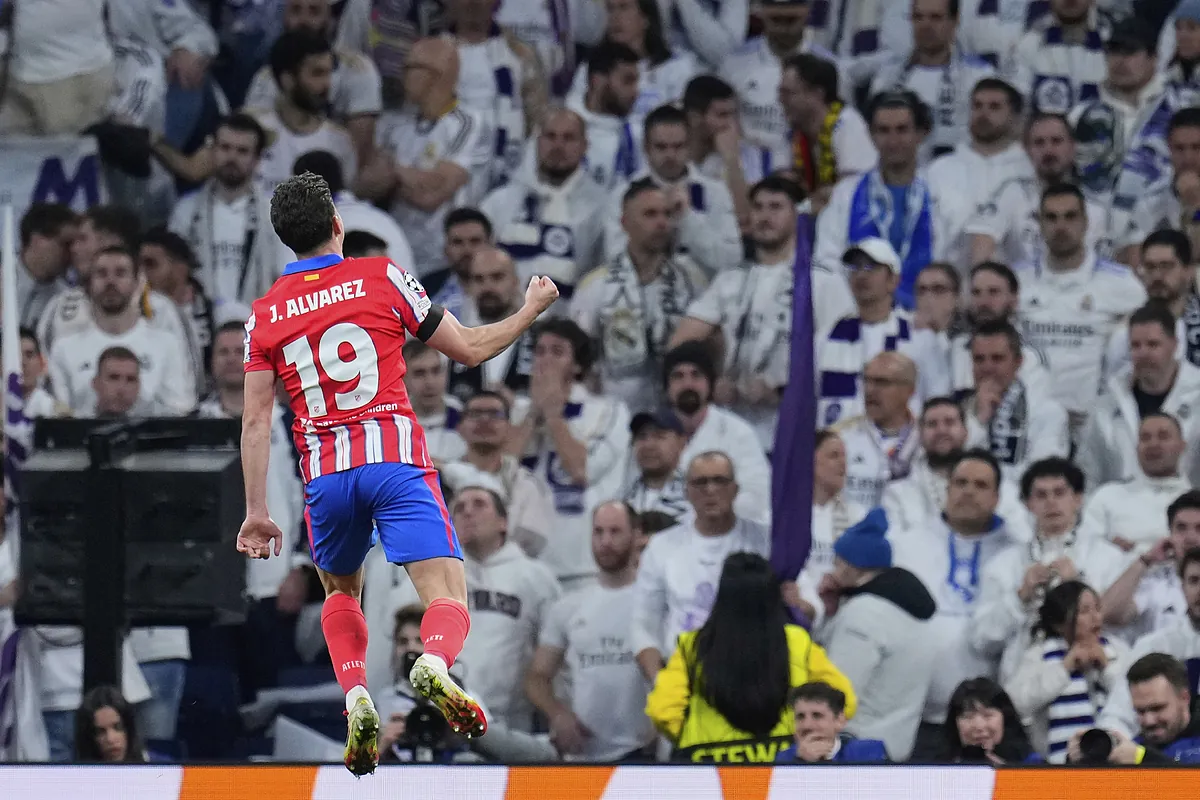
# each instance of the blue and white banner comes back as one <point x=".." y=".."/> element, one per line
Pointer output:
<point x="64" y="169"/>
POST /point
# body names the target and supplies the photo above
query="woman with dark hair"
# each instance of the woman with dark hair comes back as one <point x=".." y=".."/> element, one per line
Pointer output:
<point x="1066" y="675"/>
<point x="724" y="693"/>
<point x="106" y="729"/>
<point x="662" y="75"/>
<point x="982" y="726"/>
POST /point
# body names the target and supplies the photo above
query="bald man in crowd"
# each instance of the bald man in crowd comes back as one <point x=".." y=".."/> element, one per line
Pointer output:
<point x="433" y="154"/>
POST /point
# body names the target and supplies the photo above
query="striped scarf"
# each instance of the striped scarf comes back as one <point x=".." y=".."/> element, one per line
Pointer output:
<point x="842" y="359"/>
<point x="1078" y="705"/>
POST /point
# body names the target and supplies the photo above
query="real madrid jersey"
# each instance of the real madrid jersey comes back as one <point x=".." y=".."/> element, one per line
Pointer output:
<point x="275" y="164"/>
<point x="1010" y="218"/>
<point x="1070" y="316"/>
<point x="459" y="137"/>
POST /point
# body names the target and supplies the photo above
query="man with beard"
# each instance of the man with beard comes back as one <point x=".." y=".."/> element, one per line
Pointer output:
<point x="613" y="135"/>
<point x="1005" y="227"/>
<point x="1072" y="301"/>
<point x="949" y="554"/>
<point x="702" y="217"/>
<point x="355" y="97"/>
<point x="1015" y="422"/>
<point x="298" y="122"/>
<point x="493" y="294"/>
<point x="657" y="487"/>
<point x="689" y="375"/>
<point x="468" y="231"/>
<point x="940" y="73"/>
<point x="227" y="221"/>
<point x="432" y="155"/>
<point x="1166" y="270"/>
<point x="749" y="310"/>
<point x="169" y="267"/>
<point x="980" y="163"/>
<point x="548" y="218"/>
<point x="917" y="500"/>
<point x="167" y="381"/>
<point x="634" y="305"/>
<point x="589" y="632"/>
<point x="995" y="292"/>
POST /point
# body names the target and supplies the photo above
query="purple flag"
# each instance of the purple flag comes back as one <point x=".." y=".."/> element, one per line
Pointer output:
<point x="792" y="470"/>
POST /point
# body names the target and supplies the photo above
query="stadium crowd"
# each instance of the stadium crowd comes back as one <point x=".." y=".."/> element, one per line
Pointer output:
<point x="1004" y="201"/>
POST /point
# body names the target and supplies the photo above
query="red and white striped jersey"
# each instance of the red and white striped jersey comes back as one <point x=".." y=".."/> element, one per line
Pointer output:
<point x="332" y="331"/>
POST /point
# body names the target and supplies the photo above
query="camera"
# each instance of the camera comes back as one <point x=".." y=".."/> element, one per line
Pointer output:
<point x="972" y="754"/>
<point x="1095" y="746"/>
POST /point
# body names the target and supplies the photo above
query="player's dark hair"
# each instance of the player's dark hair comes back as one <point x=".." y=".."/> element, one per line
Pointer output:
<point x="1016" y="102"/>
<point x="1169" y="237"/>
<point x="323" y="163"/>
<point x="116" y="353"/>
<point x="1001" y="271"/>
<point x="465" y="214"/>
<point x="1054" y="467"/>
<point x="778" y="184"/>
<point x="638" y="188"/>
<point x="1063" y="189"/>
<point x="45" y="219"/>
<point x="942" y="402"/>
<point x="171" y="243"/>
<point x="488" y="394"/>
<point x="819" y="692"/>
<point x="581" y="344"/>
<point x="302" y="213"/>
<point x="86" y="748"/>
<point x="704" y="90"/>
<point x="998" y="327"/>
<point x="116" y="221"/>
<point x="242" y="122"/>
<point x="1187" y="117"/>
<point x="1154" y="312"/>
<point x="665" y="114"/>
<point x="607" y="56"/>
<point x="1191" y="556"/>
<point x="358" y="244"/>
<point x="817" y="72"/>
<point x="980" y="454"/>
<point x="292" y="48"/>
<point x="1160" y="665"/>
<point x="1188" y="501"/>
<point x="28" y="334"/>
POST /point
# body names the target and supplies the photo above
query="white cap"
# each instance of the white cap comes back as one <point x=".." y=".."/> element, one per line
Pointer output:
<point x="878" y="250"/>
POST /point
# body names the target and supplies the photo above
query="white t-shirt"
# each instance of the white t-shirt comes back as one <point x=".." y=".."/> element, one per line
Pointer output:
<point x="592" y="628"/>
<point x="166" y="368"/>
<point x="460" y="137"/>
<point x="1010" y="217"/>
<point x="354" y="87"/>
<point x="277" y="161"/>
<point x="221" y="267"/>
<point x="57" y="39"/>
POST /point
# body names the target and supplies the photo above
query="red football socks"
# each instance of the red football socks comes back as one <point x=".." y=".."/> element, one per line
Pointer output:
<point x="444" y="629"/>
<point x="345" y="631"/>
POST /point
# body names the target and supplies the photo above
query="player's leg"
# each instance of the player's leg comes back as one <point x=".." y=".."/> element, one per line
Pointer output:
<point x="415" y="530"/>
<point x="340" y="535"/>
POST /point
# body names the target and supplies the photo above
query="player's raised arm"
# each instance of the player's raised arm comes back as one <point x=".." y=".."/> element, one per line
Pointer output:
<point x="473" y="346"/>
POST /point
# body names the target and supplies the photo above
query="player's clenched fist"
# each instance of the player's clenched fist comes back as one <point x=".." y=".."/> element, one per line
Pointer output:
<point x="541" y="293"/>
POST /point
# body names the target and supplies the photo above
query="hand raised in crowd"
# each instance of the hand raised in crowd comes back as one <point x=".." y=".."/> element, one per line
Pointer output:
<point x="830" y="592"/>
<point x="724" y="392"/>
<point x="567" y="733"/>
<point x="1036" y="577"/>
<point x="814" y="747"/>
<point x="727" y="143"/>
<point x="755" y="391"/>
<point x="1064" y="568"/>
<point x="1125" y="544"/>
<point x="988" y="395"/>
<point x="1162" y="552"/>
<point x="546" y="391"/>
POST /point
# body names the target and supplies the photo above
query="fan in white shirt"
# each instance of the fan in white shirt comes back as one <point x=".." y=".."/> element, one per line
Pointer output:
<point x="588" y="632"/>
<point x="438" y="412"/>
<point x="614" y="133"/>
<point x="1005" y="227"/>
<point x="298" y="123"/>
<point x="715" y="143"/>
<point x="167" y="382"/>
<point x="656" y="486"/>
<point x="1149" y="594"/>
<point x="678" y="575"/>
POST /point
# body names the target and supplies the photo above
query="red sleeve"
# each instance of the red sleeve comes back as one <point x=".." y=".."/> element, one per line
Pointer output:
<point x="411" y="303"/>
<point x="255" y="357"/>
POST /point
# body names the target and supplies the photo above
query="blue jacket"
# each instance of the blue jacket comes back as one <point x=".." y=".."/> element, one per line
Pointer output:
<point x="852" y="751"/>
<point x="1185" y="749"/>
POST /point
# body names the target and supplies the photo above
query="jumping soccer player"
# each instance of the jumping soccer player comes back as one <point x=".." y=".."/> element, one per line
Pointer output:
<point x="332" y="331"/>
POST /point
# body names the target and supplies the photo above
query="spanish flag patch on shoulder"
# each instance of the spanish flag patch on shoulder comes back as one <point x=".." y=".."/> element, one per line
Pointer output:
<point x="316" y="276"/>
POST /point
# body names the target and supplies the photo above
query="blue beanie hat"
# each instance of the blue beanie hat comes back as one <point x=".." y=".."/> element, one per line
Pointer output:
<point x="865" y="545"/>
<point x="1188" y="9"/>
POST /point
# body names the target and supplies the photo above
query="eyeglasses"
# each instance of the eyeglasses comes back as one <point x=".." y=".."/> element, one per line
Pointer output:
<point x="482" y="414"/>
<point x="935" y="288"/>
<point x="716" y="481"/>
